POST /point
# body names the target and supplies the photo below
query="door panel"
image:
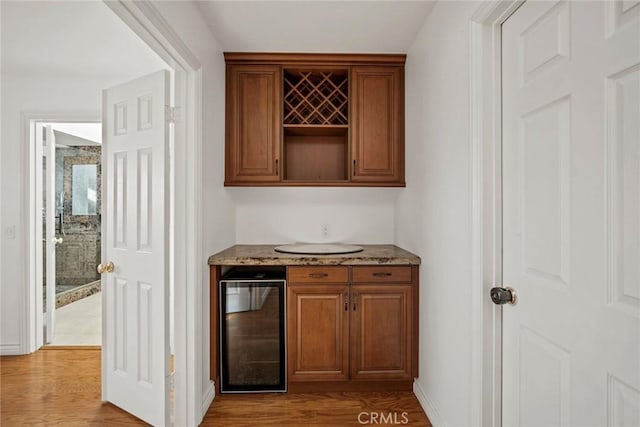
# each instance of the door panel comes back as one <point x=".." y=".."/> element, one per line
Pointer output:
<point x="623" y="179"/>
<point x="544" y="221"/>
<point x="318" y="334"/>
<point x="378" y="124"/>
<point x="254" y="114"/>
<point x="571" y="214"/>
<point x="136" y="294"/>
<point x="381" y="322"/>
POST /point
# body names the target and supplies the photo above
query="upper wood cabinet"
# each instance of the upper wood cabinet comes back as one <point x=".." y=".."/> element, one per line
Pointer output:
<point x="377" y="124"/>
<point x="253" y="126"/>
<point x="314" y="119"/>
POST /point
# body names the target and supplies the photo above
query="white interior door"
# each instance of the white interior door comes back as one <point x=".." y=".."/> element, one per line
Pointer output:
<point x="571" y="212"/>
<point x="49" y="151"/>
<point x="135" y="350"/>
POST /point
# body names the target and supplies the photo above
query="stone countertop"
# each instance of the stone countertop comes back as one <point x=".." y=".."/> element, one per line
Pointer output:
<point x="266" y="255"/>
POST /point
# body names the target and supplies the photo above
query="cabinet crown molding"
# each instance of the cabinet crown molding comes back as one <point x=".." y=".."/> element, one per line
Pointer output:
<point x="287" y="58"/>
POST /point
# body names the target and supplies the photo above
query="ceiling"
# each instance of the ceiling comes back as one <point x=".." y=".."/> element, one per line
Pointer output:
<point x="85" y="38"/>
<point x="316" y="26"/>
<point x="69" y="134"/>
<point x="79" y="38"/>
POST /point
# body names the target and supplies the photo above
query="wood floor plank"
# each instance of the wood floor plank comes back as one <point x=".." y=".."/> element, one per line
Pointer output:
<point x="58" y="387"/>
<point x="62" y="388"/>
<point x="316" y="409"/>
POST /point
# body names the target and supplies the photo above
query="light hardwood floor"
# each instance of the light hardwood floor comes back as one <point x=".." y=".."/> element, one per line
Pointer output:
<point x="61" y="387"/>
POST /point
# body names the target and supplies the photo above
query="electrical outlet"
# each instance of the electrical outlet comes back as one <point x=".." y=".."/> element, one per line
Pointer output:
<point x="10" y="232"/>
<point x="324" y="231"/>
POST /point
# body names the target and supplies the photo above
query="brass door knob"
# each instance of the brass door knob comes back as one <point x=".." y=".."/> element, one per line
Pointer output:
<point x="106" y="268"/>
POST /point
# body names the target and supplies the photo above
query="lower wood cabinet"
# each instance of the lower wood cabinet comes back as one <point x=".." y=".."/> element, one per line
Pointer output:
<point x="351" y="331"/>
<point x="381" y="332"/>
<point x="318" y="332"/>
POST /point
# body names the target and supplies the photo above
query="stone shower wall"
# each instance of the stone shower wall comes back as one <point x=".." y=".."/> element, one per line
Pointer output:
<point x="79" y="253"/>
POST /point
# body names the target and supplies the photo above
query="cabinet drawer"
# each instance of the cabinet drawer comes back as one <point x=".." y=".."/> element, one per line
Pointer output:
<point x="383" y="274"/>
<point x="319" y="274"/>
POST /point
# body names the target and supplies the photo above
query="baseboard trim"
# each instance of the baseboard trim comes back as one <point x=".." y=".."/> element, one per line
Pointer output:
<point x="348" y="386"/>
<point x="71" y="347"/>
<point x="428" y="406"/>
<point x="10" y="350"/>
<point x="207" y="399"/>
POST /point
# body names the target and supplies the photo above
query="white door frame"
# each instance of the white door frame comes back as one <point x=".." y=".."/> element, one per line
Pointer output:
<point x="32" y="334"/>
<point x="486" y="167"/>
<point x="193" y="396"/>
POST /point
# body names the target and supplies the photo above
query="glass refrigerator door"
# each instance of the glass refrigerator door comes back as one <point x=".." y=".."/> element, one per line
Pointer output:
<point x="252" y="336"/>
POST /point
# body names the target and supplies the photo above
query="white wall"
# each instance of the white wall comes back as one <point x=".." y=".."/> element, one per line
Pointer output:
<point x="287" y="215"/>
<point x="29" y="93"/>
<point x="433" y="216"/>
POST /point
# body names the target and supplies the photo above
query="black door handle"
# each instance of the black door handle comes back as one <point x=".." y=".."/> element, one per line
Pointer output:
<point x="501" y="296"/>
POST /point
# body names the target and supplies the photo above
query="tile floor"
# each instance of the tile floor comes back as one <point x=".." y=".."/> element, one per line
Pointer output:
<point x="79" y="323"/>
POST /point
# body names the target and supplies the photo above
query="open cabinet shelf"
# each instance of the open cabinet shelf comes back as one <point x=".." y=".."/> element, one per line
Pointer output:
<point x="319" y="154"/>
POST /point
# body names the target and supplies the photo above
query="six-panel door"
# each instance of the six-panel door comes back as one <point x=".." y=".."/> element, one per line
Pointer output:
<point x="571" y="214"/>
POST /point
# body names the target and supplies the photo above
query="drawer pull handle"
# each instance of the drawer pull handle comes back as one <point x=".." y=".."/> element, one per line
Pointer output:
<point x="318" y="275"/>
<point x="382" y="274"/>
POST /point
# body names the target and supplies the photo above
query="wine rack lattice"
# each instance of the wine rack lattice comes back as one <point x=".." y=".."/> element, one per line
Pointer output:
<point x="316" y="98"/>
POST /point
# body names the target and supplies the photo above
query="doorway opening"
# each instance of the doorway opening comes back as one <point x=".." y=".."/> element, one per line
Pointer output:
<point x="71" y="220"/>
<point x="74" y="99"/>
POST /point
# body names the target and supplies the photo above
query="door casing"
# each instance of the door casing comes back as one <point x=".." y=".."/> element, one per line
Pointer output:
<point x="486" y="176"/>
<point x="33" y="332"/>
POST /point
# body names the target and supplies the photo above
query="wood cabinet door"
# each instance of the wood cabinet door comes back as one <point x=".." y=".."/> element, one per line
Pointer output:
<point x="377" y="124"/>
<point x="318" y="332"/>
<point x="381" y="331"/>
<point x="253" y="126"/>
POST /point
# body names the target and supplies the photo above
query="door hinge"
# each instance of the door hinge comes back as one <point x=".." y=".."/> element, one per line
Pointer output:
<point x="172" y="381"/>
<point x="171" y="114"/>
